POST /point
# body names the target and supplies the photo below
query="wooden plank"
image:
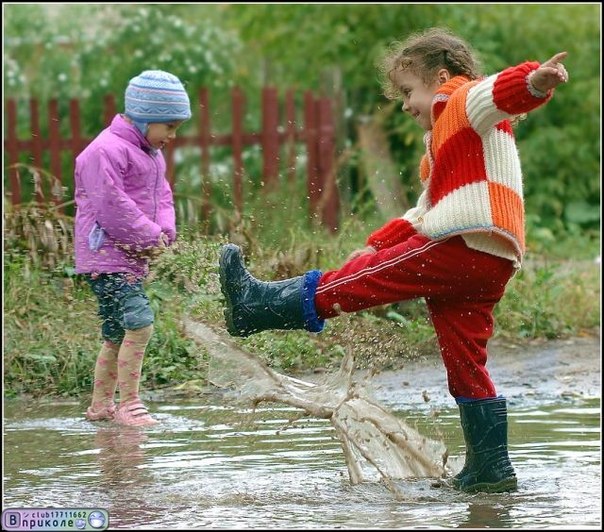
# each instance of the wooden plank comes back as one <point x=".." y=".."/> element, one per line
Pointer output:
<point x="329" y="203"/>
<point x="110" y="109"/>
<point x="12" y="150"/>
<point x="238" y="105"/>
<point x="270" y="137"/>
<point x="204" y="143"/>
<point x="76" y="140"/>
<point x="312" y="170"/>
<point x="54" y="132"/>
<point x="290" y="135"/>
<point x="36" y="143"/>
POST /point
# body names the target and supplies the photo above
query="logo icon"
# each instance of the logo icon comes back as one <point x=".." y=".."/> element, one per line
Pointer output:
<point x="96" y="519"/>
<point x="11" y="519"/>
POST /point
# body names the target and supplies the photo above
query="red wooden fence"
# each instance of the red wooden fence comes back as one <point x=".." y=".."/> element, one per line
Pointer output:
<point x="317" y="133"/>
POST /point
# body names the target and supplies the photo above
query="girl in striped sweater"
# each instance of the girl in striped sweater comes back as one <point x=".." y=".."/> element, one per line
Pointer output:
<point x="457" y="248"/>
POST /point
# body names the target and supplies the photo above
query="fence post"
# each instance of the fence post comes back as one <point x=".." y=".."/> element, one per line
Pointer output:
<point x="237" y="144"/>
<point x="204" y="144"/>
<point x="169" y="158"/>
<point x="76" y="137"/>
<point x="310" y="133"/>
<point x="110" y="109"/>
<point x="36" y="143"/>
<point x="36" y="134"/>
<point x="270" y="136"/>
<point x="54" y="132"/>
<point x="290" y="135"/>
<point x="74" y="120"/>
<point x="12" y="147"/>
<point x="329" y="203"/>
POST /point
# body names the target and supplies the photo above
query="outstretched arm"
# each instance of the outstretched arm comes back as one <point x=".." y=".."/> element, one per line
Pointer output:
<point x="514" y="91"/>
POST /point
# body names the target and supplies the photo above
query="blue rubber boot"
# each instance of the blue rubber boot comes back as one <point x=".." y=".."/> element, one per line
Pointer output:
<point x="253" y="306"/>
<point x="487" y="467"/>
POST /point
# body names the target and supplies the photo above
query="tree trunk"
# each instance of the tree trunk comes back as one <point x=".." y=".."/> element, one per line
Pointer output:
<point x="383" y="177"/>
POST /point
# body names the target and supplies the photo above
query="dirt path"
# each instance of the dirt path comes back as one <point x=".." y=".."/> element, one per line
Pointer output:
<point x="542" y="372"/>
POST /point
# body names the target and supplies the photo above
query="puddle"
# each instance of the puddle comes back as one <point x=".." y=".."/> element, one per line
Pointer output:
<point x="210" y="464"/>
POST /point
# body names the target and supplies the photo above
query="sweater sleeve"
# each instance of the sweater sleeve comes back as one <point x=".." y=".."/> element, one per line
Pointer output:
<point x="502" y="96"/>
<point x="391" y="233"/>
<point x="401" y="229"/>
<point x="512" y="92"/>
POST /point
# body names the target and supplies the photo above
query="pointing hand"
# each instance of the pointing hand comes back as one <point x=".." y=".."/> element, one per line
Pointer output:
<point x="550" y="74"/>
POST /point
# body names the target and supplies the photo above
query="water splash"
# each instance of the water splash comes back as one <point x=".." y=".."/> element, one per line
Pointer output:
<point x="374" y="441"/>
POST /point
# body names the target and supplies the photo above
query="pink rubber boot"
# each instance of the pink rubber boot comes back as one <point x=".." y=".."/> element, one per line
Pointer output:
<point x="134" y="413"/>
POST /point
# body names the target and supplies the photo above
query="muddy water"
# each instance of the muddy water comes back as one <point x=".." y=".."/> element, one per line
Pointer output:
<point x="211" y="464"/>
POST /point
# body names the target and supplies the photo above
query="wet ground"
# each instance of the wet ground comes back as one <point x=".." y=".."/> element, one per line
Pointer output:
<point x="540" y="372"/>
<point x="213" y="464"/>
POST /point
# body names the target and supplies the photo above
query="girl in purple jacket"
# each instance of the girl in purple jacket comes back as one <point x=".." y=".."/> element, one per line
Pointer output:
<point x="124" y="217"/>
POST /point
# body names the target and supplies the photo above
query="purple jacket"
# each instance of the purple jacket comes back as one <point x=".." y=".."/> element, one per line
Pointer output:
<point x="122" y="199"/>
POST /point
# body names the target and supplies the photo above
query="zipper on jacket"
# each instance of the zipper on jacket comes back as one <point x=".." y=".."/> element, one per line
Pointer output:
<point x="155" y="189"/>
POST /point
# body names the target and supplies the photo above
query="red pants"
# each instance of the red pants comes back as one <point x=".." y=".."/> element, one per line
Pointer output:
<point x="461" y="287"/>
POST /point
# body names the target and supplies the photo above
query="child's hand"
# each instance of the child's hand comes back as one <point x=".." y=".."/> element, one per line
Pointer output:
<point x="164" y="240"/>
<point x="550" y="74"/>
<point x="161" y="246"/>
<point x="358" y="252"/>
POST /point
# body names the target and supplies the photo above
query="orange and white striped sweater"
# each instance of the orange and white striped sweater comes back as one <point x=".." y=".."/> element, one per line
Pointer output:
<point x="471" y="172"/>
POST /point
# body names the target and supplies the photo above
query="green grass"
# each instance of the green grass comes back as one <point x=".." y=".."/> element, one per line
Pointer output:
<point x="52" y="333"/>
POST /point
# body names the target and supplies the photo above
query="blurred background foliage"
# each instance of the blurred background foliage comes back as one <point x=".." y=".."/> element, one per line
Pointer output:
<point x="89" y="50"/>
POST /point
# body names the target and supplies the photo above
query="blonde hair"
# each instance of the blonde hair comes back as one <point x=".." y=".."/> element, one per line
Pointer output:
<point x="425" y="53"/>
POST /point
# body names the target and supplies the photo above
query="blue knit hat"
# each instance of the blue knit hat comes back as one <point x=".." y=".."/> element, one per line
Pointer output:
<point x="155" y="96"/>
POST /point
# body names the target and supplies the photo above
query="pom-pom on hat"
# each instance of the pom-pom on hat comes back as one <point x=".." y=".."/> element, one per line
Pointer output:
<point x="155" y="96"/>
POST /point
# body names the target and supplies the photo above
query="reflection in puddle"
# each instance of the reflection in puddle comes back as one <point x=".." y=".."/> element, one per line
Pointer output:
<point x="213" y="465"/>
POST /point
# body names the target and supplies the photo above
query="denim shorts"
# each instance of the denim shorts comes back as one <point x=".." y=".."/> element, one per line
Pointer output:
<point x="123" y="304"/>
